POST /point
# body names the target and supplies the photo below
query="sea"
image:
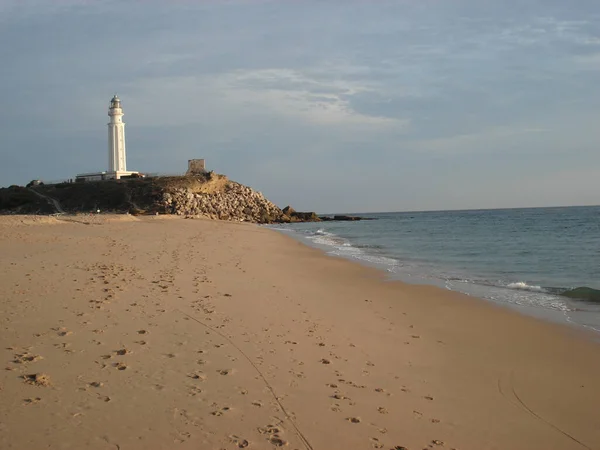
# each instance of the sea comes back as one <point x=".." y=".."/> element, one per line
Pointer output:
<point x="519" y="258"/>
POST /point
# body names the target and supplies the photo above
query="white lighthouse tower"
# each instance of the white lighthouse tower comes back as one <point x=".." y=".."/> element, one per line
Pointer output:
<point x="117" y="160"/>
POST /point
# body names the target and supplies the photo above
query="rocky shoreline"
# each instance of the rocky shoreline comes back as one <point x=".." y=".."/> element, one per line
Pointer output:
<point x="240" y="203"/>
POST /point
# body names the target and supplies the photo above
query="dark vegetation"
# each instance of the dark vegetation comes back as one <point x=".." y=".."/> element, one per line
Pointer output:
<point x="20" y="200"/>
<point x="142" y="194"/>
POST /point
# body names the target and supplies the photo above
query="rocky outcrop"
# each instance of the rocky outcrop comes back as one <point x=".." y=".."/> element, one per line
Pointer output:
<point x="234" y="202"/>
<point x="306" y="217"/>
<point x="289" y="211"/>
<point x="342" y="218"/>
<point x="295" y="216"/>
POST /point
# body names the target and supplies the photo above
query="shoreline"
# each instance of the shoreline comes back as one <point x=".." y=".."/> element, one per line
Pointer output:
<point x="552" y="317"/>
<point x="564" y="315"/>
<point x="203" y="334"/>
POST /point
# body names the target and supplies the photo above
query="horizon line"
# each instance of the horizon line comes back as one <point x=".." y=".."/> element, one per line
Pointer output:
<point x="460" y="210"/>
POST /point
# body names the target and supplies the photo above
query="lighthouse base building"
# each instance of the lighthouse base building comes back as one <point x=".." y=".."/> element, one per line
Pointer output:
<point x="117" y="158"/>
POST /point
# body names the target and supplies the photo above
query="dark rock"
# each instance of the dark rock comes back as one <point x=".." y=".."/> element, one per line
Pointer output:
<point x="305" y="217"/>
<point x="136" y="212"/>
<point x="289" y="211"/>
<point x="583" y="293"/>
<point x="343" y="218"/>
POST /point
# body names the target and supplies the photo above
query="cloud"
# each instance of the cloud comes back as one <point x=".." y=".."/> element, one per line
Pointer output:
<point x="285" y="93"/>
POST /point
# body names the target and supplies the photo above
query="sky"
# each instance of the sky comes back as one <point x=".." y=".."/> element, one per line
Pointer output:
<point x="329" y="106"/>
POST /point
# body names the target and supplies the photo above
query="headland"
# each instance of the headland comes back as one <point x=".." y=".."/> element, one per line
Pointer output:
<point x="198" y="195"/>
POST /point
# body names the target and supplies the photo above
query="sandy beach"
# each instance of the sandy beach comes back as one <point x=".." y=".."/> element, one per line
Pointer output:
<point x="164" y="333"/>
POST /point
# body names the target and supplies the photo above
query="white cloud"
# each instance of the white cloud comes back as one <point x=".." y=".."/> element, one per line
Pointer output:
<point x="282" y="92"/>
<point x="292" y="93"/>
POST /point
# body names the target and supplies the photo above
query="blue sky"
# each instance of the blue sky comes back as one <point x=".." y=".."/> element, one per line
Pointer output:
<point x="325" y="105"/>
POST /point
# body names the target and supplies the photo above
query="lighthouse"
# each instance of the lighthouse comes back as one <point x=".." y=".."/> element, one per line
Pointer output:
<point x="117" y="160"/>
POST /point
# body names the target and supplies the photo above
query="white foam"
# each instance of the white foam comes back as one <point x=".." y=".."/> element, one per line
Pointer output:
<point x="524" y="286"/>
<point x="344" y="248"/>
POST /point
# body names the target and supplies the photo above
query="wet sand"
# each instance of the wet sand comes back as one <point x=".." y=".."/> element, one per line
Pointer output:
<point x="160" y="333"/>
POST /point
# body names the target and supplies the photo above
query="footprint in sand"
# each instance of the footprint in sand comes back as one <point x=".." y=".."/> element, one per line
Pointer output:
<point x="197" y="376"/>
<point x="225" y="372"/>
<point x="277" y="441"/>
<point x="340" y="397"/>
<point x="375" y="443"/>
<point x="353" y="419"/>
<point x="269" y="429"/>
<point x="382" y="410"/>
<point x="239" y="442"/>
<point x="325" y="361"/>
<point x="24" y="358"/>
<point x="428" y="397"/>
<point x="31" y="401"/>
<point x="37" y="379"/>
<point x="221" y="411"/>
<point x="194" y="391"/>
<point x="119" y="366"/>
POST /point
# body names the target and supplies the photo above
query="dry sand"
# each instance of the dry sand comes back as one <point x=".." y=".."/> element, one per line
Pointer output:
<point x="162" y="333"/>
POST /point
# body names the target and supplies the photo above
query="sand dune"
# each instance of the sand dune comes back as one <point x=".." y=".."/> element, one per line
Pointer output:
<point x="160" y="333"/>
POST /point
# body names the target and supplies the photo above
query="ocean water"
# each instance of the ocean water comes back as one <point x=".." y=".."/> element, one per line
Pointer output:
<point x="520" y="258"/>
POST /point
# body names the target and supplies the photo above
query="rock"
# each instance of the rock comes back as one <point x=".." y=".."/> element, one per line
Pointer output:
<point x="583" y="293"/>
<point x="233" y="202"/>
<point x="306" y="217"/>
<point x="289" y="211"/>
<point x="344" y="218"/>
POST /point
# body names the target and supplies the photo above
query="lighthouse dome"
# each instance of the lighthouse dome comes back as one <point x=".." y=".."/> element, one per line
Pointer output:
<point x="115" y="102"/>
